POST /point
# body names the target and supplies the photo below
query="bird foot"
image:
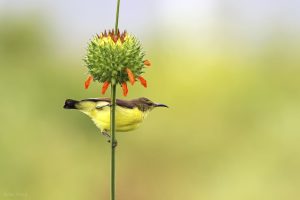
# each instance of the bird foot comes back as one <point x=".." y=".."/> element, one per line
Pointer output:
<point x="107" y="135"/>
<point x="114" y="144"/>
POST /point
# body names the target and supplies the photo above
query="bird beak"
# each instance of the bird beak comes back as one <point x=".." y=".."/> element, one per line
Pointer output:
<point x="160" y="105"/>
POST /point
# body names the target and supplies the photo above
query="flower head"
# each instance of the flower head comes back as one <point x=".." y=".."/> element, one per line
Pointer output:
<point x="115" y="58"/>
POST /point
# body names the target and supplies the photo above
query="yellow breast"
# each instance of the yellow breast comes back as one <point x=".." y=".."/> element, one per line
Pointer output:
<point x="126" y="119"/>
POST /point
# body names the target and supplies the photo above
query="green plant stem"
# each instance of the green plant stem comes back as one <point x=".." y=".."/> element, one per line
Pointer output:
<point x="113" y="138"/>
<point x="113" y="121"/>
<point x="117" y="17"/>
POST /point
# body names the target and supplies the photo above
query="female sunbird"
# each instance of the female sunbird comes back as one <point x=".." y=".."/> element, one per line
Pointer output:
<point x="129" y="114"/>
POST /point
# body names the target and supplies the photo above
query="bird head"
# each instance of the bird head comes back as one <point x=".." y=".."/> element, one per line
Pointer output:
<point x="145" y="104"/>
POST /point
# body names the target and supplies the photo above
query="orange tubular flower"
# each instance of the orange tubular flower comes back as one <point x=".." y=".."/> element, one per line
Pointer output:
<point x="147" y="63"/>
<point x="143" y="81"/>
<point x="104" y="87"/>
<point x="88" y="82"/>
<point x="130" y="76"/>
<point x="125" y="89"/>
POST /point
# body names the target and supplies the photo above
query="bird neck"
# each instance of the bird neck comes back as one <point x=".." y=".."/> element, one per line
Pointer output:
<point x="143" y="108"/>
<point x="145" y="113"/>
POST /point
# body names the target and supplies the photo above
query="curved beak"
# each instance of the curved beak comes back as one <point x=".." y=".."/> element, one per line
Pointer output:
<point x="160" y="105"/>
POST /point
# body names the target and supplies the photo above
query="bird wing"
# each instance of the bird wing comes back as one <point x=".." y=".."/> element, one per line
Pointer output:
<point x="120" y="102"/>
<point x="97" y="99"/>
<point x="102" y="104"/>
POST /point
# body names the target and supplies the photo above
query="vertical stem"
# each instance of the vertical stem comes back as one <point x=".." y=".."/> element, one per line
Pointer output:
<point x="113" y="119"/>
<point x="117" y="17"/>
<point x="113" y="138"/>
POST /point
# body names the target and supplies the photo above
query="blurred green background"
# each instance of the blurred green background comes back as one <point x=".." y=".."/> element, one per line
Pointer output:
<point x="229" y="70"/>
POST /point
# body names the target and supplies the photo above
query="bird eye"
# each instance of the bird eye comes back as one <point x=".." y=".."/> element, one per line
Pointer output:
<point x="146" y="101"/>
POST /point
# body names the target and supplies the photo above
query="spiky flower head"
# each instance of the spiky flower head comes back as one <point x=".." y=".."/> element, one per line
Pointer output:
<point x="115" y="58"/>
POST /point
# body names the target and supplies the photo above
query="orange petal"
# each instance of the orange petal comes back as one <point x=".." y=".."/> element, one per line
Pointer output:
<point x="147" y="63"/>
<point x="104" y="87"/>
<point x="125" y="89"/>
<point x="88" y="82"/>
<point x="143" y="81"/>
<point x="130" y="76"/>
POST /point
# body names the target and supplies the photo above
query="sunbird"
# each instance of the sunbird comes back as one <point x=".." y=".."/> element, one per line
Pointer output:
<point x="129" y="114"/>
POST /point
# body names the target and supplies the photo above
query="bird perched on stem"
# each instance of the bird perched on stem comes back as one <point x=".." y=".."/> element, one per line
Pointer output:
<point x="129" y="114"/>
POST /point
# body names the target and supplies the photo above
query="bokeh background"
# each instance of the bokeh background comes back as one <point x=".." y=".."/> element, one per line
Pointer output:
<point x="228" y="69"/>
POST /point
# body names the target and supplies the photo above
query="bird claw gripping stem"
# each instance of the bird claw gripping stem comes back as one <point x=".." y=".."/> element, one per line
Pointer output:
<point x="107" y="135"/>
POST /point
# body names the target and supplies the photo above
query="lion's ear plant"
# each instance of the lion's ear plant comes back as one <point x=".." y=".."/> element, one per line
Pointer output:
<point x="115" y="58"/>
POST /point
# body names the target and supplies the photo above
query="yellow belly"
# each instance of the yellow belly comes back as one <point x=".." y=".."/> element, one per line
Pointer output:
<point x="126" y="119"/>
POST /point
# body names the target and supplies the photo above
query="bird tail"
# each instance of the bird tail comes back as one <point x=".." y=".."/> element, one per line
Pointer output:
<point x="70" y="104"/>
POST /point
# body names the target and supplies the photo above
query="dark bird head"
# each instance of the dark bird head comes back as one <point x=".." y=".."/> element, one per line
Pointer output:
<point x="145" y="104"/>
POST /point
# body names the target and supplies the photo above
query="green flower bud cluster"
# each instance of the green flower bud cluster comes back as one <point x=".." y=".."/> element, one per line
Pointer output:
<point x="109" y="54"/>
